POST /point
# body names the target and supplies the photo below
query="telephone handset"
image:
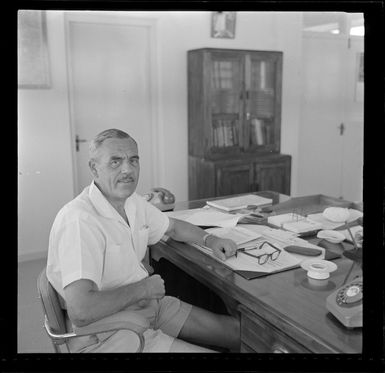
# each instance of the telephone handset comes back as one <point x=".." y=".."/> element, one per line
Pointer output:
<point x="345" y="303"/>
<point x="161" y="198"/>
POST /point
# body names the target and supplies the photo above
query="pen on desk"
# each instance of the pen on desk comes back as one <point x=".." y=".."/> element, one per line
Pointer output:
<point x="242" y="250"/>
<point x="257" y="215"/>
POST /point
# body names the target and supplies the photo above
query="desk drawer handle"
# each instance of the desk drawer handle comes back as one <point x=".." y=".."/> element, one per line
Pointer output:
<point x="279" y="349"/>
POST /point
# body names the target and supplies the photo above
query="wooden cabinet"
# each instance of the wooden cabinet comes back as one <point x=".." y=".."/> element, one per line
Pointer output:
<point x="234" y="115"/>
<point x="213" y="178"/>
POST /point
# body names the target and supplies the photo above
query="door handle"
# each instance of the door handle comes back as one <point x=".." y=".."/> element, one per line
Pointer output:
<point x="77" y="141"/>
<point x="342" y="129"/>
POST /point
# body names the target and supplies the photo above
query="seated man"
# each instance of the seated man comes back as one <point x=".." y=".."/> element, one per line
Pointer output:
<point x="96" y="246"/>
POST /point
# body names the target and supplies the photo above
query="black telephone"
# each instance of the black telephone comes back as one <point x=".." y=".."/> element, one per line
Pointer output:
<point x="161" y="198"/>
<point x="345" y="303"/>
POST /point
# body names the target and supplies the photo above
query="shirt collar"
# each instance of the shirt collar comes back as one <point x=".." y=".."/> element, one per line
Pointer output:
<point x="104" y="207"/>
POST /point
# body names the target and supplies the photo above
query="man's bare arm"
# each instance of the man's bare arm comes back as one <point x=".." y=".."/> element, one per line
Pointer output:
<point x="86" y="304"/>
<point x="183" y="231"/>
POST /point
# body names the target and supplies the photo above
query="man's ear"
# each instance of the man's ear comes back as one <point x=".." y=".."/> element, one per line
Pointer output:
<point x="93" y="169"/>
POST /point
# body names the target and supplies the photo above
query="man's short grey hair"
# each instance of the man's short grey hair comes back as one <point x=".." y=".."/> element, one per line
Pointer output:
<point x="111" y="133"/>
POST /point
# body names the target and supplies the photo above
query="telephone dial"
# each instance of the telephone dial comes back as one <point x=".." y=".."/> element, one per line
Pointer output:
<point x="161" y="198"/>
<point x="345" y="303"/>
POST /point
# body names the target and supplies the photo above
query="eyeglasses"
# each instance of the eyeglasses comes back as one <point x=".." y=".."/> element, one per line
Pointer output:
<point x="263" y="258"/>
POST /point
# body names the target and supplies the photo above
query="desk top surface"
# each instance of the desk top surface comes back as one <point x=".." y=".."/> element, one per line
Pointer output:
<point x="286" y="299"/>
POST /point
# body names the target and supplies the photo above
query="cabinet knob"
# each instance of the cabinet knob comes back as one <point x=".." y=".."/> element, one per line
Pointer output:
<point x="279" y="349"/>
<point x="341" y="127"/>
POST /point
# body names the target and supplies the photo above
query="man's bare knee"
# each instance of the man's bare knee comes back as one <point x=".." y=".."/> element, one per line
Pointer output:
<point x="208" y="328"/>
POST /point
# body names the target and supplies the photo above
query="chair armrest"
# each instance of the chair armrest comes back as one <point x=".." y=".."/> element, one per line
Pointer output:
<point x="127" y="320"/>
<point x="120" y="320"/>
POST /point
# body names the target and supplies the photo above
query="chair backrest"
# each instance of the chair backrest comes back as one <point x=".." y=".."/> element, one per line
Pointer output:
<point x="55" y="315"/>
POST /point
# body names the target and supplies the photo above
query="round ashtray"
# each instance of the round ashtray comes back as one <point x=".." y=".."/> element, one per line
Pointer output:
<point x="331" y="236"/>
<point x="318" y="269"/>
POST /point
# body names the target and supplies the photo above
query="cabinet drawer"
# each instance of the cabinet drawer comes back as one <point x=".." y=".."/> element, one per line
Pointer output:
<point x="261" y="336"/>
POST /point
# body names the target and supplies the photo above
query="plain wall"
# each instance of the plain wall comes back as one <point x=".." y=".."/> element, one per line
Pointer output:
<point x="45" y="158"/>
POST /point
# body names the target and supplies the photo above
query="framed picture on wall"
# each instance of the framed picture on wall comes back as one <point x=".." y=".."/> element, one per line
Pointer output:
<point x="223" y="25"/>
<point x="32" y="49"/>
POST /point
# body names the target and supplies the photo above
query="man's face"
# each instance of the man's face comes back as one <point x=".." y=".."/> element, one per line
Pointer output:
<point x="116" y="171"/>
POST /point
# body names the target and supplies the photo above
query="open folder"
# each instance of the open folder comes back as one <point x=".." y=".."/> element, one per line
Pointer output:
<point x="249" y="268"/>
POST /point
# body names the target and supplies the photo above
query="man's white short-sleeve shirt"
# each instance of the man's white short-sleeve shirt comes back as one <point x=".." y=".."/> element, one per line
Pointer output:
<point x="90" y="240"/>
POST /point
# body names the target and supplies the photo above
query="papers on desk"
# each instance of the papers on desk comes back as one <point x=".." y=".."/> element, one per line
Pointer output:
<point x="283" y="238"/>
<point x="207" y="217"/>
<point x="240" y="202"/>
<point x="249" y="267"/>
<point x="239" y="235"/>
<point x="294" y="223"/>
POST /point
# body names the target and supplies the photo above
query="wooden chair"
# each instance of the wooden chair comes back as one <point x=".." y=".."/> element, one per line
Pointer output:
<point x="56" y="320"/>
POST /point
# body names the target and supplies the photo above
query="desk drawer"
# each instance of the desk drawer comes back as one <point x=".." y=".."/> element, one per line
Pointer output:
<point x="258" y="335"/>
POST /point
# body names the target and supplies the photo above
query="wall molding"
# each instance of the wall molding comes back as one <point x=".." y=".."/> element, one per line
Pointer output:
<point x="31" y="256"/>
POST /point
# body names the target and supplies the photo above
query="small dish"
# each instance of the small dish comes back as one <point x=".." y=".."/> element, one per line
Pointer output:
<point x="331" y="236"/>
<point x="336" y="214"/>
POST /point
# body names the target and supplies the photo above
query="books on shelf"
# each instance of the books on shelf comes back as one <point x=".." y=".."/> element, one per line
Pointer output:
<point x="256" y="131"/>
<point x="240" y="202"/>
<point x="224" y="133"/>
<point x="294" y="222"/>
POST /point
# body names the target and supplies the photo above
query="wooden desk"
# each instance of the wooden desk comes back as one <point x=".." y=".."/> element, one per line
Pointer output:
<point x="281" y="313"/>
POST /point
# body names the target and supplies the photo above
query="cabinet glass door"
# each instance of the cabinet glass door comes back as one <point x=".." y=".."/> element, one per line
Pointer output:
<point x="226" y="109"/>
<point x="261" y="98"/>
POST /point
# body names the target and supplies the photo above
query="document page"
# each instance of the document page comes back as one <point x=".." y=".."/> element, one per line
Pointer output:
<point x="245" y="262"/>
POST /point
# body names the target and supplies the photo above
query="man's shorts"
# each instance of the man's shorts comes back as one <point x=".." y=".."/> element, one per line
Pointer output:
<point x="166" y="317"/>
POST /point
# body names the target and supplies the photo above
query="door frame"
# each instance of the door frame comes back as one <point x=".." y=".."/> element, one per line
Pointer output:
<point x="122" y="18"/>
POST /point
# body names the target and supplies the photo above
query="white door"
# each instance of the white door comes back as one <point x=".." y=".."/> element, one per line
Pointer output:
<point x="353" y="151"/>
<point x="110" y="87"/>
<point x="331" y="145"/>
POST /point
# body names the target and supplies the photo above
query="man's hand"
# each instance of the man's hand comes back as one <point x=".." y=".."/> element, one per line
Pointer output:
<point x="154" y="287"/>
<point x="222" y="247"/>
